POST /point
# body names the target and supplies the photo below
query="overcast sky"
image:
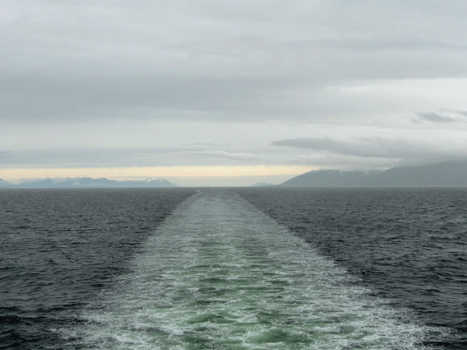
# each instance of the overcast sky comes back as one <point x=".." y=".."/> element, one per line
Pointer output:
<point x="250" y="88"/>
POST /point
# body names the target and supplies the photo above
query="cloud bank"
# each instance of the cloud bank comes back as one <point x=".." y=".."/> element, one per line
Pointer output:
<point x="144" y="83"/>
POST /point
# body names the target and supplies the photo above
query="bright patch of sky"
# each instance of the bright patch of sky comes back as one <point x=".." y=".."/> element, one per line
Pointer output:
<point x="296" y="85"/>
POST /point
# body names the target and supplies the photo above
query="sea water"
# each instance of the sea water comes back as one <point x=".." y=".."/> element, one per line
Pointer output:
<point x="233" y="269"/>
<point x="220" y="274"/>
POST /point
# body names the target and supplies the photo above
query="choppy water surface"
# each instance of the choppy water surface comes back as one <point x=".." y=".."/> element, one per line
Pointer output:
<point x="60" y="248"/>
<point x="220" y="274"/>
<point x="408" y="245"/>
<point x="233" y="269"/>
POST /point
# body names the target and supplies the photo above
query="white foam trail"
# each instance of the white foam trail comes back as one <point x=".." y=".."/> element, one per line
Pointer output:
<point x="219" y="274"/>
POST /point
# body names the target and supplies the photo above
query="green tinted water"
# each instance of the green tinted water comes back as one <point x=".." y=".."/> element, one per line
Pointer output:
<point x="219" y="274"/>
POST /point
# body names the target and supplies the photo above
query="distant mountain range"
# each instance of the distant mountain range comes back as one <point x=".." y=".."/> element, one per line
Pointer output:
<point x="261" y="184"/>
<point x="87" y="182"/>
<point x="4" y="184"/>
<point x="443" y="174"/>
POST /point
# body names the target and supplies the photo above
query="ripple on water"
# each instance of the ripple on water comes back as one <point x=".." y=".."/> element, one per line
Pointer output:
<point x="219" y="274"/>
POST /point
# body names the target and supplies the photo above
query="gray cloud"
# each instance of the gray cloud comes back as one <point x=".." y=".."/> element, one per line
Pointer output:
<point x="219" y="154"/>
<point x="444" y="116"/>
<point x="363" y="147"/>
<point x="90" y="158"/>
<point x="436" y="117"/>
<point x="88" y="59"/>
<point x="258" y="44"/>
<point x="127" y="157"/>
<point x="123" y="83"/>
<point x="51" y="97"/>
<point x="201" y="144"/>
<point x="462" y="113"/>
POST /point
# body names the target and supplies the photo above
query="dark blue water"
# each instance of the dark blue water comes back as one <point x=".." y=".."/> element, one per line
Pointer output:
<point x="163" y="269"/>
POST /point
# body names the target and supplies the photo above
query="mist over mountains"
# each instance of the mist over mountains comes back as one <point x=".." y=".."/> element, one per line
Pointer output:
<point x="5" y="184"/>
<point x="87" y="182"/>
<point x="443" y="174"/>
<point x="450" y="174"/>
<point x="330" y="178"/>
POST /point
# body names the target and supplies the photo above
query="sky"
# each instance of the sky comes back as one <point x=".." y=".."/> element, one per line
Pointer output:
<point x="229" y="93"/>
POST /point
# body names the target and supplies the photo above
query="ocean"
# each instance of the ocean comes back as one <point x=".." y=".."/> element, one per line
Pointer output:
<point x="238" y="268"/>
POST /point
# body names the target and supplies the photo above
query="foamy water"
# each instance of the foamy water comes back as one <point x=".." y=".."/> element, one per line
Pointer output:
<point x="219" y="274"/>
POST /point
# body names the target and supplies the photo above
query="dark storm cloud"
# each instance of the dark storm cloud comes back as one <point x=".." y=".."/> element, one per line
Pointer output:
<point x="363" y="147"/>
